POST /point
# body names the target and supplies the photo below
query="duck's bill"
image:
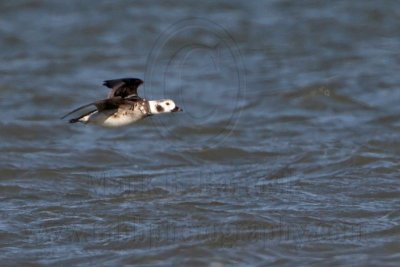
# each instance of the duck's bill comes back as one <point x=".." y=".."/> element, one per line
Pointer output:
<point x="176" y="109"/>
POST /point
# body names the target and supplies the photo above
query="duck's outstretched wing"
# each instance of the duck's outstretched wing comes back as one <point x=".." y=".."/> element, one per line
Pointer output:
<point x="109" y="103"/>
<point x="77" y="119"/>
<point x="77" y="109"/>
<point x="124" y="87"/>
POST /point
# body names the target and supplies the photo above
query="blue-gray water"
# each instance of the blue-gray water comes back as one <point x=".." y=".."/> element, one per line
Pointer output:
<point x="286" y="154"/>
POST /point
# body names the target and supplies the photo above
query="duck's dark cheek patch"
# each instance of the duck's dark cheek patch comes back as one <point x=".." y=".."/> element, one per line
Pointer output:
<point x="160" y="108"/>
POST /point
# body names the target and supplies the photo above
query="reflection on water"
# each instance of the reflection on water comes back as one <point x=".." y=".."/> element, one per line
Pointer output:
<point x="286" y="152"/>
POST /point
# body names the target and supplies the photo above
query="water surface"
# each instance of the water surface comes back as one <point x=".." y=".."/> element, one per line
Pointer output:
<point x="286" y="154"/>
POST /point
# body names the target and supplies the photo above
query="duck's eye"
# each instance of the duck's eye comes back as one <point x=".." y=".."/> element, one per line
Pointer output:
<point x="167" y="103"/>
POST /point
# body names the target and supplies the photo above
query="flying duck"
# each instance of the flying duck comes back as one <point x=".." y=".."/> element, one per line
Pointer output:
<point x="122" y="106"/>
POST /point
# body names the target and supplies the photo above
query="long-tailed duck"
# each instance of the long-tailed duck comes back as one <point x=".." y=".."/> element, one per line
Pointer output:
<point x="123" y="105"/>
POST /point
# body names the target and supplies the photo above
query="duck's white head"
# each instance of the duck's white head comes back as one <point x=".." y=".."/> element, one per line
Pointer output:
<point x="163" y="106"/>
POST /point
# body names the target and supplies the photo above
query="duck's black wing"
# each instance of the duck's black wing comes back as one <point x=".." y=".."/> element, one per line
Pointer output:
<point x="124" y="87"/>
<point x="109" y="103"/>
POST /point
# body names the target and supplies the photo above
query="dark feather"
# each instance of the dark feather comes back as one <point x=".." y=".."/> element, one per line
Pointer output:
<point x="109" y="103"/>
<point x="75" y="110"/>
<point x="80" y="117"/>
<point x="123" y="87"/>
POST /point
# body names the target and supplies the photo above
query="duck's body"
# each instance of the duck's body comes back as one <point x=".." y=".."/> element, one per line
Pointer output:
<point x="123" y="106"/>
<point x="123" y="115"/>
